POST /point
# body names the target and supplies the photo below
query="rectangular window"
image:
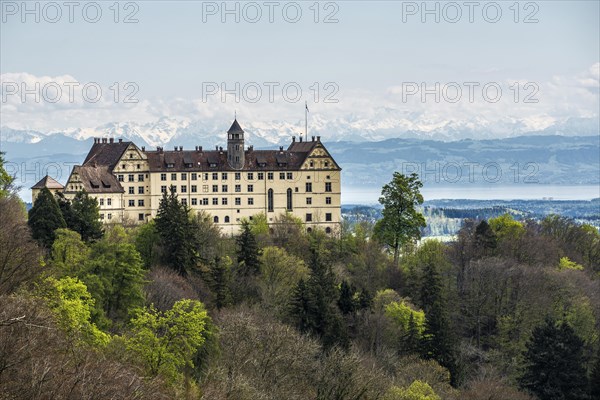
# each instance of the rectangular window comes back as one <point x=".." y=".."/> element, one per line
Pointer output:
<point x="131" y="203"/>
<point x="261" y="176"/>
<point x="205" y="201"/>
<point x="270" y="176"/>
<point x="194" y="176"/>
<point x="309" y="217"/>
<point x="238" y="201"/>
<point x="163" y="189"/>
<point x="205" y="188"/>
<point x="290" y="175"/>
<point x="173" y="177"/>
<point x="238" y="188"/>
<point x="326" y="164"/>
<point x="309" y="200"/>
<point x="109" y="215"/>
<point x="224" y="201"/>
<point x="184" y="202"/>
<point x="121" y="178"/>
<point x="140" y="177"/>
<point x="183" y="189"/>
<point x="194" y="188"/>
<point x="173" y="188"/>
<point x="140" y="216"/>
<point x="250" y="188"/>
<point x="101" y="202"/>
<point x="194" y="201"/>
<point x="108" y="202"/>
<point x="130" y="177"/>
<point x="308" y="187"/>
<point x="215" y="176"/>
<point x="328" y="186"/>
<point x="215" y="188"/>
<point x="250" y="176"/>
<point x="250" y="201"/>
<point x="131" y="190"/>
<point x="102" y="216"/>
<point x="140" y="190"/>
<point x="183" y="176"/>
<point x="238" y="176"/>
<point x="282" y="175"/>
<point x="140" y="203"/>
<point x="224" y="176"/>
<point x="163" y="177"/>
<point x="328" y="217"/>
<point x="215" y="201"/>
<point x="224" y="188"/>
<point x="327" y="200"/>
<point x="206" y="176"/>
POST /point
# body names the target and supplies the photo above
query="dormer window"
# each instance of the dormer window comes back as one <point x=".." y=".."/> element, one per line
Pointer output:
<point x="170" y="165"/>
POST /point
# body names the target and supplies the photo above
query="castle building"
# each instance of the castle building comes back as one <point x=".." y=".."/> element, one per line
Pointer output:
<point x="239" y="182"/>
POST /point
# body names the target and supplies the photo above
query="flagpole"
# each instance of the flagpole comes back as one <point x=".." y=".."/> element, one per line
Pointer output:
<point x="306" y="119"/>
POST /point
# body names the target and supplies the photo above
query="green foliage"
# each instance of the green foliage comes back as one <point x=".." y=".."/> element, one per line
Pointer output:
<point x="45" y="218"/>
<point x="402" y="221"/>
<point x="146" y="242"/>
<point x="219" y="280"/>
<point x="69" y="253"/>
<point x="72" y="304"/>
<point x="167" y="342"/>
<point x="402" y="313"/>
<point x="554" y="366"/>
<point x="485" y="238"/>
<point x="506" y="228"/>
<point x="280" y="272"/>
<point x="259" y="224"/>
<point x="6" y="181"/>
<point x="248" y="252"/>
<point x="82" y="215"/>
<point x="417" y="390"/>
<point x="565" y="264"/>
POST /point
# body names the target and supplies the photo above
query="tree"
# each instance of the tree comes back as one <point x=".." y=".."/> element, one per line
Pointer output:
<point x="485" y="238"/>
<point x="176" y="233"/>
<point x="45" y="218"/>
<point x="401" y="222"/>
<point x="554" y="363"/>
<point x="417" y="390"/>
<point x="166" y="342"/>
<point x="248" y="252"/>
<point x="280" y="272"/>
<point x="411" y="324"/>
<point x="347" y="302"/>
<point x="86" y="214"/>
<point x="595" y="377"/>
<point x="219" y="279"/>
<point x="6" y="181"/>
<point x="69" y="253"/>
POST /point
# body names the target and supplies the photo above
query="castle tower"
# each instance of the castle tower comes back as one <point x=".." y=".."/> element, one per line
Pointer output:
<point x="235" y="146"/>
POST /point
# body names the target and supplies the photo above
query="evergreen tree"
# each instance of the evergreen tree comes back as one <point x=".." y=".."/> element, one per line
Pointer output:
<point x="66" y="210"/>
<point x="485" y="238"/>
<point x="86" y="213"/>
<point x="45" y="218"/>
<point x="218" y="281"/>
<point x="595" y="378"/>
<point x="554" y="363"/>
<point x="248" y="252"/>
<point x="176" y="233"/>
<point x="346" y="302"/>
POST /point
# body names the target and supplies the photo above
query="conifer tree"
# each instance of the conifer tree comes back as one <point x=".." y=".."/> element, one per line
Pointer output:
<point x="346" y="302"/>
<point x="45" y="218"/>
<point x="87" y="217"/>
<point x="248" y="252"/>
<point x="218" y="281"/>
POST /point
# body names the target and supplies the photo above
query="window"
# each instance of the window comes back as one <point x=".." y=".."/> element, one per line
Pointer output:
<point x="194" y="176"/>
<point x="121" y="178"/>
<point x="101" y="216"/>
<point x="308" y="217"/>
<point x="250" y="201"/>
<point x="224" y="201"/>
<point x="250" y="176"/>
<point x="205" y="201"/>
<point x="326" y="163"/>
<point x="183" y="189"/>
<point x="224" y="176"/>
<point x="261" y="176"/>
<point x="224" y="188"/>
<point x="215" y="201"/>
<point x="194" y="189"/>
<point x="270" y="200"/>
<point x="226" y="219"/>
<point x="238" y="176"/>
<point x="173" y="188"/>
<point x="131" y="203"/>
<point x="108" y="202"/>
<point x="328" y="177"/>
<point x="140" y="190"/>
<point x="308" y="187"/>
<point x="290" y="175"/>
<point x="183" y="176"/>
<point x="282" y="175"/>
<point x="250" y="188"/>
<point x="216" y="220"/>
<point x="140" y="176"/>
<point x="205" y="188"/>
<point x="141" y="203"/>
<point x="184" y="202"/>
<point x="140" y="216"/>
<point x="131" y="190"/>
<point x="173" y="177"/>
<point x="194" y="201"/>
<point x="163" y="177"/>
<point x="215" y="188"/>
<point x="238" y="201"/>
<point x="270" y="176"/>
<point x="328" y="186"/>
<point x="130" y="155"/>
<point x="206" y="176"/>
<point x="312" y="164"/>
<point x="238" y="188"/>
<point x="101" y="202"/>
<point x="327" y="200"/>
<point x="109" y="215"/>
<point x="289" y="199"/>
<point x="130" y="177"/>
<point x="123" y="166"/>
<point x="309" y="200"/>
<point x="163" y="189"/>
<point x="328" y="217"/>
<point x="328" y="230"/>
<point x="215" y="176"/>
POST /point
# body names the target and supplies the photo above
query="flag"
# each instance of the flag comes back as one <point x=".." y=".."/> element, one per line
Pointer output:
<point x="306" y="105"/>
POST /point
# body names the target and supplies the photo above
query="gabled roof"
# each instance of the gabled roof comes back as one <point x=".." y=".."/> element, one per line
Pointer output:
<point x="106" y="154"/>
<point x="235" y="127"/>
<point x="305" y="147"/>
<point x="47" y="182"/>
<point x="97" y="179"/>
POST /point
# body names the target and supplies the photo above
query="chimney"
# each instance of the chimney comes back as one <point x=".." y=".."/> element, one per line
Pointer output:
<point x="313" y="138"/>
<point x="217" y="148"/>
<point x="111" y="140"/>
<point x="200" y="148"/>
<point x="143" y="148"/>
<point x="280" y="148"/>
<point x="293" y="139"/>
<point x="318" y="138"/>
<point x="103" y="140"/>
<point x="180" y="148"/>
<point x="120" y="140"/>
<point x="221" y="149"/>
<point x="175" y="148"/>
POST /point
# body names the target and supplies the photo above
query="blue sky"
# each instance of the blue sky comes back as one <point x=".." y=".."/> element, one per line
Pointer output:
<point x="370" y="51"/>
